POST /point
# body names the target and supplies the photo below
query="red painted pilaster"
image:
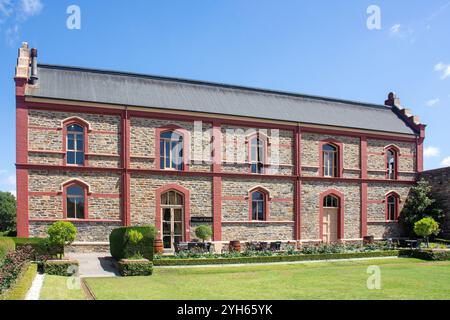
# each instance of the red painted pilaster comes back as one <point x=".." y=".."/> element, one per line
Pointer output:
<point x="298" y="183"/>
<point x="217" y="181"/>
<point x="420" y="148"/>
<point x="125" y="155"/>
<point x="363" y="151"/>
<point x="22" y="157"/>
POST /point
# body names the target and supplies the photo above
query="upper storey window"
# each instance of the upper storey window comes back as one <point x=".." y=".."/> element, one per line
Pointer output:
<point x="257" y="155"/>
<point x="330" y="160"/>
<point x="391" y="164"/>
<point x="75" y="144"/>
<point x="171" y="151"/>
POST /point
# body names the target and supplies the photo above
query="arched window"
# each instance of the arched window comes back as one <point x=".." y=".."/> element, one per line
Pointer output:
<point x="75" y="145"/>
<point x="259" y="203"/>
<point x="75" y="202"/>
<point x="391" y="164"/>
<point x="330" y="160"/>
<point x="330" y="201"/>
<point x="392" y="201"/>
<point x="257" y="154"/>
<point x="171" y="150"/>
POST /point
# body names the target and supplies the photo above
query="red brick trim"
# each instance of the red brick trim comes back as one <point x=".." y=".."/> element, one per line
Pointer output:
<point x="186" y="145"/>
<point x="298" y="183"/>
<point x="340" y="155"/>
<point x="419" y="144"/>
<point x="267" y="200"/>
<point x="258" y="222"/>
<point x="76" y="220"/>
<point x="125" y="160"/>
<point x="75" y="182"/>
<point x="217" y="181"/>
<point x="86" y="127"/>
<point x="341" y="211"/>
<point x="187" y="215"/>
<point x="21" y="157"/>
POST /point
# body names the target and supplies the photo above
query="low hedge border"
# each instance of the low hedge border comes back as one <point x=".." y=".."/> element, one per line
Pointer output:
<point x="426" y="254"/>
<point x="128" y="268"/>
<point x="23" y="283"/>
<point x="6" y="245"/>
<point x="280" y="258"/>
<point x="64" y="268"/>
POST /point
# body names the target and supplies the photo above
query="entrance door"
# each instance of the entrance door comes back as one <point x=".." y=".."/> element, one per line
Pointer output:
<point x="330" y="219"/>
<point x="172" y="219"/>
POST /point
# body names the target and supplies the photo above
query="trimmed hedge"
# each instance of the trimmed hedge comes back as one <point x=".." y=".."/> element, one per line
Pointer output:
<point x="122" y="248"/>
<point x="23" y="283"/>
<point x="280" y="258"/>
<point x="426" y="254"/>
<point x="41" y="246"/>
<point x="129" y="268"/>
<point x="12" y="266"/>
<point x="64" y="268"/>
<point x="6" y="245"/>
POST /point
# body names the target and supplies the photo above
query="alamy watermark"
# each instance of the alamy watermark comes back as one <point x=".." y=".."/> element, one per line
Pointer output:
<point x="73" y="21"/>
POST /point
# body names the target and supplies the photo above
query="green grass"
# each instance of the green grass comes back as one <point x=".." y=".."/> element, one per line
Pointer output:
<point x="56" y="288"/>
<point x="23" y="284"/>
<point x="401" y="279"/>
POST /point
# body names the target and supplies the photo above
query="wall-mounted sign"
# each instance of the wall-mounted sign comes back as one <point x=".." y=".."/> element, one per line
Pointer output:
<point x="201" y="219"/>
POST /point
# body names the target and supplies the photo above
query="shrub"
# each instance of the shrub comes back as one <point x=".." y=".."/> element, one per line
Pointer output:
<point x="274" y="258"/>
<point x="61" y="233"/>
<point x="203" y="232"/>
<point x="42" y="250"/>
<point x="13" y="265"/>
<point x="61" y="267"/>
<point x="23" y="283"/>
<point x="426" y="227"/>
<point x="122" y="248"/>
<point x="142" y="267"/>
<point x="6" y="245"/>
<point x="431" y="255"/>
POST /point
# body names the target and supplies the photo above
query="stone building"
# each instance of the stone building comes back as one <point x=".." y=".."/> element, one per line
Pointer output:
<point x="439" y="180"/>
<point x="105" y="149"/>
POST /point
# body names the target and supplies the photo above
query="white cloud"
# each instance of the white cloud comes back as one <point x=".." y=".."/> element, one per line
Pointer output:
<point x="446" y="162"/>
<point x="433" y="102"/>
<point x="29" y="8"/>
<point x="431" y="152"/>
<point x="444" y="69"/>
<point x="15" y="12"/>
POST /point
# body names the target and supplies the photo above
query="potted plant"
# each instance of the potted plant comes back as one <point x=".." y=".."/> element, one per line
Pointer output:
<point x="204" y="232"/>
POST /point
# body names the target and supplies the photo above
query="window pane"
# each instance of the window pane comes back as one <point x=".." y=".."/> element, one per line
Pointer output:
<point x="167" y="150"/>
<point x="257" y="196"/>
<point x="254" y="210"/>
<point x="70" y="208"/>
<point x="164" y="198"/>
<point x="80" y="208"/>
<point x="70" y="142"/>
<point x="71" y="157"/>
<point x="80" y="144"/>
<point x="75" y="127"/>
<point x="261" y="211"/>
<point x="75" y="191"/>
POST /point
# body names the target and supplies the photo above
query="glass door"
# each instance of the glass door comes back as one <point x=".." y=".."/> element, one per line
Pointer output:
<point x="172" y="226"/>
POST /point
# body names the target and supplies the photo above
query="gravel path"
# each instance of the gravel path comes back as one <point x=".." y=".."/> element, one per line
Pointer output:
<point x="35" y="290"/>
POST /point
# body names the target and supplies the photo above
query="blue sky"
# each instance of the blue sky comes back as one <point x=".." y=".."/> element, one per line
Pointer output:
<point x="314" y="47"/>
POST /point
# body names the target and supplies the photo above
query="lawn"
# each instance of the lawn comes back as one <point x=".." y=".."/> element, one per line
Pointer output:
<point x="400" y="279"/>
<point x="56" y="288"/>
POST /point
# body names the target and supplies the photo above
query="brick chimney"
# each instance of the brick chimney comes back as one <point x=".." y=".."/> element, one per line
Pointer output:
<point x="394" y="101"/>
<point x="23" y="62"/>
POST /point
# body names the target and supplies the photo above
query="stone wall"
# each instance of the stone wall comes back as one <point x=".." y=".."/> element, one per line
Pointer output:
<point x="440" y="183"/>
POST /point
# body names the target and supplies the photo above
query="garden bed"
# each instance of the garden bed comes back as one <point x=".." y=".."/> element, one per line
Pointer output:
<point x="209" y="260"/>
<point x="19" y="289"/>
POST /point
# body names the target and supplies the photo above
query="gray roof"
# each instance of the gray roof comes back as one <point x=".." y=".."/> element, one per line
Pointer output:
<point x="101" y="86"/>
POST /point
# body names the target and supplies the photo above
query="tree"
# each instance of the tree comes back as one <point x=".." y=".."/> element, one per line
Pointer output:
<point x="7" y="211"/>
<point x="426" y="227"/>
<point x="419" y="205"/>
<point x="203" y="232"/>
<point x="61" y="233"/>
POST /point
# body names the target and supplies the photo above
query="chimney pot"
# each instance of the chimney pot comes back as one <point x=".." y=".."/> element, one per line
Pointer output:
<point x="34" y="75"/>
